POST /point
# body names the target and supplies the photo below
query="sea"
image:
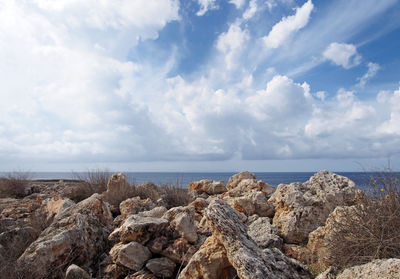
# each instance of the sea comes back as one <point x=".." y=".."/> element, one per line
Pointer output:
<point x="183" y="178"/>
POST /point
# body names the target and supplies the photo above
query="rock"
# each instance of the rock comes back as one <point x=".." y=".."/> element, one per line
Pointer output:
<point x="118" y="189"/>
<point x="237" y="178"/>
<point x="161" y="267"/>
<point x="142" y="274"/>
<point x="264" y="234"/>
<point x="135" y="205"/>
<point x="79" y="233"/>
<point x="254" y="202"/>
<point x="210" y="187"/>
<point x="377" y="269"/>
<point x="158" y="244"/>
<point x="244" y="255"/>
<point x="75" y="272"/>
<point x="114" y="271"/>
<point x="156" y="212"/>
<point x="56" y="205"/>
<point x="249" y="185"/>
<point x="319" y="239"/>
<point x="300" y="208"/>
<point x="139" y="229"/>
<point x="17" y="239"/>
<point x="209" y="262"/>
<point x="148" y="190"/>
<point x="182" y="222"/>
<point x="132" y="255"/>
<point x="301" y="254"/>
<point x="330" y="273"/>
<point x="180" y="251"/>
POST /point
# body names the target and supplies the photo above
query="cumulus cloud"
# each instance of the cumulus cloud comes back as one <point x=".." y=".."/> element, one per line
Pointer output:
<point x="205" y="6"/>
<point x="251" y="10"/>
<point x="391" y="126"/>
<point x="284" y="29"/>
<point x="237" y="3"/>
<point x="373" y="68"/>
<point x="344" y="55"/>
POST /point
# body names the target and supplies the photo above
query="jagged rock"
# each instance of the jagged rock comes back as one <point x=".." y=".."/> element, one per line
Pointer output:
<point x="142" y="274"/>
<point x="135" y="205"/>
<point x="264" y="234"/>
<point x="244" y="255"/>
<point x="300" y="208"/>
<point x="249" y="185"/>
<point x="149" y="190"/>
<point x="182" y="222"/>
<point x="300" y="253"/>
<point x="377" y="269"/>
<point x="158" y="244"/>
<point x="79" y="233"/>
<point x="56" y="205"/>
<point x="139" y="229"/>
<point x="17" y="239"/>
<point x="210" y="187"/>
<point x="114" y="271"/>
<point x="237" y="178"/>
<point x="319" y="239"/>
<point x="253" y="202"/>
<point x="156" y="212"/>
<point x="75" y="272"/>
<point x="132" y="255"/>
<point x="209" y="262"/>
<point x="118" y="189"/>
<point x="330" y="273"/>
<point x="161" y="267"/>
<point x="180" y="251"/>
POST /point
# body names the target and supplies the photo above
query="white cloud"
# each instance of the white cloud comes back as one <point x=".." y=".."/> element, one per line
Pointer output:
<point x="391" y="126"/>
<point x="237" y="3"/>
<point x="284" y="29"/>
<point x="231" y="43"/>
<point x="205" y="6"/>
<point x="373" y="68"/>
<point x="344" y="55"/>
<point x="251" y="10"/>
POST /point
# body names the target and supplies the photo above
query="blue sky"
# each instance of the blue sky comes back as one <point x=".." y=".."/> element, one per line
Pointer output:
<point x="202" y="85"/>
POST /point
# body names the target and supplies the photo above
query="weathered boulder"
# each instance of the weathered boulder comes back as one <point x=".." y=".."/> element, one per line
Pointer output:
<point x="182" y="222"/>
<point x="253" y="202"/>
<point x="148" y="190"/>
<point x="319" y="239"/>
<point x="300" y="208"/>
<point x="180" y="251"/>
<point x="142" y="274"/>
<point x="237" y="178"/>
<point x="156" y="212"/>
<point x="377" y="269"/>
<point x="210" y="187"/>
<point x="118" y="190"/>
<point x="245" y="256"/>
<point x="75" y="272"/>
<point x="209" y="262"/>
<point x="17" y="239"/>
<point x="139" y="229"/>
<point x="135" y="205"/>
<point x="79" y="233"/>
<point x="132" y="255"/>
<point x="158" y="244"/>
<point x="55" y="205"/>
<point x="264" y="234"/>
<point x="161" y="267"/>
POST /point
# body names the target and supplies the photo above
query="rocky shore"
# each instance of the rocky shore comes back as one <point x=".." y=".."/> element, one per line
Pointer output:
<point x="242" y="229"/>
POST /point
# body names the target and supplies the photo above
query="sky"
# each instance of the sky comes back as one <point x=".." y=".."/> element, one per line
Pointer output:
<point x="199" y="85"/>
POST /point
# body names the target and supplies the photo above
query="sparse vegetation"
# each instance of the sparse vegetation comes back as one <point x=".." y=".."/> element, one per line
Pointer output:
<point x="90" y="182"/>
<point x="14" y="185"/>
<point x="371" y="230"/>
<point x="174" y="195"/>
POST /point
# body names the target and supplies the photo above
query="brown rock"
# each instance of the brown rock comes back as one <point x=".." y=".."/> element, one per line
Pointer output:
<point x="180" y="251"/>
<point x="118" y="189"/>
<point x="75" y="272"/>
<point x="161" y="267"/>
<point x="210" y="187"/>
<point x="158" y="244"/>
<point x="182" y="222"/>
<point x="135" y="205"/>
<point x="142" y="274"/>
<point x="237" y="178"/>
<point x="209" y="262"/>
<point x="132" y="255"/>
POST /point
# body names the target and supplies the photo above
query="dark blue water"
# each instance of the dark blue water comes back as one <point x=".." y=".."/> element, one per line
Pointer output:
<point x="183" y="178"/>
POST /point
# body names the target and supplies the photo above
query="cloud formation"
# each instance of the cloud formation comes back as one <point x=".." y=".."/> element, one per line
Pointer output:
<point x="344" y="55"/>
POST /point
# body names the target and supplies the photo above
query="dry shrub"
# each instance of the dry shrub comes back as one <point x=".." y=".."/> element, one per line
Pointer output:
<point x="174" y="195"/>
<point x="371" y="230"/>
<point x="93" y="181"/>
<point x="14" y="185"/>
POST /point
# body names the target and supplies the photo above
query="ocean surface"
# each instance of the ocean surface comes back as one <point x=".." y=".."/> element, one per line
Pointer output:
<point x="183" y="178"/>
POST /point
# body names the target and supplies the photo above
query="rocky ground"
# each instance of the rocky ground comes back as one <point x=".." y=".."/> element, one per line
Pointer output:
<point x="244" y="229"/>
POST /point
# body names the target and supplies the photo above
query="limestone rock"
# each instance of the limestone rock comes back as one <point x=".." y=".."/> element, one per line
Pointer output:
<point x="249" y="185"/>
<point x="264" y="234"/>
<point x="237" y="178"/>
<point x="139" y="229"/>
<point x="180" y="251"/>
<point x="142" y="274"/>
<point x="132" y="255"/>
<point x="182" y="222"/>
<point x="157" y="245"/>
<point x="253" y="202"/>
<point x="300" y="208"/>
<point x="161" y="267"/>
<point x="148" y="190"/>
<point x="17" y="239"/>
<point x="209" y="262"/>
<point x="79" y="233"/>
<point x="156" y="212"/>
<point x="244" y="255"/>
<point x="114" y="271"/>
<point x="377" y="269"/>
<point x="135" y="205"/>
<point x="118" y="189"/>
<point x="210" y="187"/>
<point x="75" y="272"/>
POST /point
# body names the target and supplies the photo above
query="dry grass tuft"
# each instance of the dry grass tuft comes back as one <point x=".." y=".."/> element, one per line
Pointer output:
<point x="371" y="230"/>
<point x="14" y="185"/>
<point x="174" y="195"/>
<point x="93" y="181"/>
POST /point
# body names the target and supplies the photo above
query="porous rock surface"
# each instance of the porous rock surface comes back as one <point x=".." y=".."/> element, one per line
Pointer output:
<point x="209" y="187"/>
<point x="300" y="208"/>
<point x="135" y="205"/>
<point x="132" y="255"/>
<point x="76" y="272"/>
<point x="182" y="222"/>
<point x="244" y="255"/>
<point x="264" y="234"/>
<point x="161" y="267"/>
<point x="78" y="233"/>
